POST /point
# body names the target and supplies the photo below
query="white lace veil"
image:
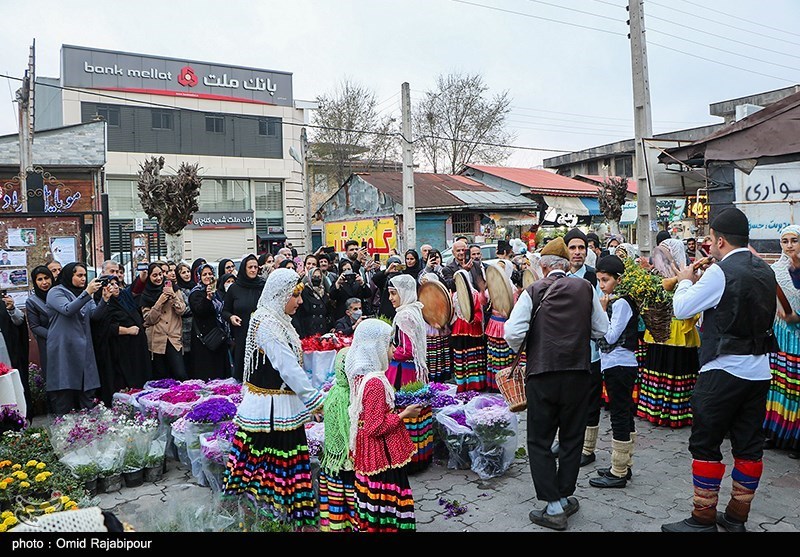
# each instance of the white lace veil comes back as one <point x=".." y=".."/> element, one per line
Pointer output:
<point x="369" y="357"/>
<point x="781" y="268"/>
<point x="677" y="251"/>
<point x="269" y="323"/>
<point x="408" y="318"/>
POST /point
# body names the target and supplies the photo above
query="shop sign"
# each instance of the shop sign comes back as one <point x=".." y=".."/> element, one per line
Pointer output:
<point x="565" y="219"/>
<point x="771" y="196"/>
<point x="242" y="219"/>
<point x="123" y="71"/>
<point x="379" y="234"/>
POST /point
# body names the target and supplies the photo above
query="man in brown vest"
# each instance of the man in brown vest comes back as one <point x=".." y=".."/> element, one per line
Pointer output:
<point x="562" y="315"/>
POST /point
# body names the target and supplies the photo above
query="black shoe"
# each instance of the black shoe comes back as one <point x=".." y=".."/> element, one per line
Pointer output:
<point x="728" y="524"/>
<point x="769" y="443"/>
<point x="572" y="506"/>
<point x="794" y="455"/>
<point x="688" y="525"/>
<point x="587" y="458"/>
<point x="606" y="471"/>
<point x="552" y="521"/>
<point x="609" y="480"/>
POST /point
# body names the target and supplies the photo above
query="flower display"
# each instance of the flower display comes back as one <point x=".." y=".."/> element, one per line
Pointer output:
<point x="643" y="286"/>
<point x="328" y="341"/>
<point x="4" y="369"/>
<point x="11" y="419"/>
<point x="466" y="396"/>
<point x="415" y="392"/>
<point x="212" y="410"/>
<point x="162" y="383"/>
<point x="176" y="396"/>
<point x="226" y="431"/>
<point x="37" y="384"/>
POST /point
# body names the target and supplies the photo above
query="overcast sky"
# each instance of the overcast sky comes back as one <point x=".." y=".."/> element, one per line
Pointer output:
<point x="568" y="72"/>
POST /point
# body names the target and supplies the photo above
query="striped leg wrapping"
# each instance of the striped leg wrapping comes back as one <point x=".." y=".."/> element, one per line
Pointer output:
<point x="706" y="477"/>
<point x="746" y="475"/>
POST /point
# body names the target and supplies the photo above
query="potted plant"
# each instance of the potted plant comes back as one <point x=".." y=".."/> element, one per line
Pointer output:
<point x="87" y="474"/>
<point x="153" y="467"/>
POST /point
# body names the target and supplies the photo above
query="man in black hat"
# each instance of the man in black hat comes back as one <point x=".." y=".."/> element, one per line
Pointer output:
<point x="593" y="246"/>
<point x="737" y="298"/>
<point x="504" y="250"/>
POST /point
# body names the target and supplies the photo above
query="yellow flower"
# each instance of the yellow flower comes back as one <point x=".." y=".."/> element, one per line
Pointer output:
<point x="5" y="463"/>
<point x="31" y="463"/>
<point x="70" y="505"/>
<point x="21" y="475"/>
<point x="41" y="477"/>
<point x="64" y="499"/>
<point x="16" y="467"/>
<point x="24" y="484"/>
<point x="6" y="514"/>
<point x="49" y="510"/>
<point x="10" y="521"/>
<point x="41" y="466"/>
<point x="3" y="527"/>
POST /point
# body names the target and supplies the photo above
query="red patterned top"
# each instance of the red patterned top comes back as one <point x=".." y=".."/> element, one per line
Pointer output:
<point x="475" y="327"/>
<point x="380" y="432"/>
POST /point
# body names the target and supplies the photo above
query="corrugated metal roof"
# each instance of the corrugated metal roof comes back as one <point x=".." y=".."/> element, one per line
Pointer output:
<point x="441" y="190"/>
<point x="539" y="181"/>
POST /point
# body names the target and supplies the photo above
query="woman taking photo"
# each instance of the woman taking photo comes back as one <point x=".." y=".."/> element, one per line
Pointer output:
<point x="314" y="316"/>
<point x="210" y="361"/>
<point x="240" y="302"/>
<point x="184" y="282"/>
<point x="162" y="309"/>
<point x="348" y="284"/>
<point x="38" y="315"/>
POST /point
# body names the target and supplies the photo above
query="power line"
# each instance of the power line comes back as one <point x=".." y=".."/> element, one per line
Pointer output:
<point x="576" y="10"/>
<point x="741" y="19"/>
<point x="717" y="22"/>
<point x="721" y="63"/>
<point x="540" y="17"/>
<point x="604" y="117"/>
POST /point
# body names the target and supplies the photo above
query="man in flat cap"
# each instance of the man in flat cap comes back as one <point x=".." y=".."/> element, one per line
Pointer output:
<point x="737" y="298"/>
<point x="562" y="314"/>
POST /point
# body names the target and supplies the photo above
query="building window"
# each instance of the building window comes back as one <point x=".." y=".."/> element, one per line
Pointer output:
<point x="162" y="120"/>
<point x="463" y="223"/>
<point x="624" y="166"/>
<point x="267" y="127"/>
<point x="123" y="199"/>
<point x="269" y="208"/>
<point x="224" y="195"/>
<point x="110" y="114"/>
<point x="591" y="168"/>
<point x="215" y="124"/>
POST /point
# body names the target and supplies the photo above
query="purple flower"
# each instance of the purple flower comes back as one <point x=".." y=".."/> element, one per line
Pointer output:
<point x="162" y="383"/>
<point x="11" y="419"/>
<point x="440" y="400"/>
<point x="226" y="431"/>
<point x="212" y="410"/>
<point x="466" y="396"/>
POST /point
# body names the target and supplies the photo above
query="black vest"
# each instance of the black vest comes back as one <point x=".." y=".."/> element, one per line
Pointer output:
<point x="629" y="339"/>
<point x="264" y="375"/>
<point x="742" y="321"/>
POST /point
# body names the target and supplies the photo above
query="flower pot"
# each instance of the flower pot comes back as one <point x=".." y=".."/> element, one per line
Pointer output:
<point x="154" y="473"/>
<point x="106" y="484"/>
<point x="134" y="478"/>
<point x="91" y="487"/>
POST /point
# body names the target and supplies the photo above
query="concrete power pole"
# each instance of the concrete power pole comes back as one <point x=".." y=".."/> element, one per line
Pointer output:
<point x="24" y="98"/>
<point x="409" y="203"/>
<point x="643" y="124"/>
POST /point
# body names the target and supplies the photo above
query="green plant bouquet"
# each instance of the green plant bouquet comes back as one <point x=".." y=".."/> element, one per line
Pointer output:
<point x="652" y="299"/>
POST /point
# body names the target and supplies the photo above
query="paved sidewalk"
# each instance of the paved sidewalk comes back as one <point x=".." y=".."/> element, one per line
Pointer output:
<point x="661" y="491"/>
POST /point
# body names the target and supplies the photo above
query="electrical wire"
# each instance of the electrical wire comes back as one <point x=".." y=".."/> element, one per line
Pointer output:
<point x="741" y="19"/>
<point x="575" y="10"/>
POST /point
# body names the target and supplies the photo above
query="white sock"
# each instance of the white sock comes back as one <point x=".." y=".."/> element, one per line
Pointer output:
<point x="564" y="502"/>
<point x="554" y="507"/>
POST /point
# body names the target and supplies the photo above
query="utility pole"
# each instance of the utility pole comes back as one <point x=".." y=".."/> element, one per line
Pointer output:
<point x="24" y="98"/>
<point x="409" y="203"/>
<point x="643" y="124"/>
<point x="306" y="189"/>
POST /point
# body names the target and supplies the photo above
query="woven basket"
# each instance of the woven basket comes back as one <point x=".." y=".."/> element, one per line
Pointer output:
<point x="511" y="383"/>
<point x="658" y="320"/>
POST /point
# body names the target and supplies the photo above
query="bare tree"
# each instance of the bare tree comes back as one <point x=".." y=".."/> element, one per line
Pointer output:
<point x="351" y="130"/>
<point x="457" y="123"/>
<point x="172" y="200"/>
<point x="611" y="196"/>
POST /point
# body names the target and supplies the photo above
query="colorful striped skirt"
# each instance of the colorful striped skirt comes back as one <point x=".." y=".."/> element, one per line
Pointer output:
<point x="385" y="502"/>
<point x="438" y="354"/>
<point x="782" y="420"/>
<point x="498" y="356"/>
<point x="337" y="502"/>
<point x="421" y="431"/>
<point x="274" y="471"/>
<point x="469" y="362"/>
<point x="667" y="383"/>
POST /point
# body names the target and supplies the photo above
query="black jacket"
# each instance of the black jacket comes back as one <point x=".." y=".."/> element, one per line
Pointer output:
<point x="313" y="316"/>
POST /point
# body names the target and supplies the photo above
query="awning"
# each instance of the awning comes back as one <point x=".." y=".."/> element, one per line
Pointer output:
<point x="530" y="221"/>
<point x="629" y="214"/>
<point x="592" y="204"/>
<point x="566" y="205"/>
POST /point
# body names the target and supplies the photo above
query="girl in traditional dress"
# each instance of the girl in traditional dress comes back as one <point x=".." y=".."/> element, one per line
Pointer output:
<point x="409" y="361"/>
<point x="269" y="460"/>
<point x="337" y="498"/>
<point x="380" y="443"/>
<point x="438" y="344"/>
<point x="468" y="342"/>
<point x="671" y="367"/>
<point x="782" y="420"/>
<point x="498" y="353"/>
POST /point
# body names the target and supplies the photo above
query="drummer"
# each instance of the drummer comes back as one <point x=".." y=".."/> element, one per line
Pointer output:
<point x="577" y="245"/>
<point x="467" y="340"/>
<point x="500" y="291"/>
<point x="438" y="334"/>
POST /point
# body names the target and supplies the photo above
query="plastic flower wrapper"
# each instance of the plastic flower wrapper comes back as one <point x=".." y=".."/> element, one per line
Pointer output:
<point x="495" y="426"/>
<point x="215" y="447"/>
<point x="175" y="515"/>
<point x="138" y="433"/>
<point x="79" y="428"/>
<point x="111" y="452"/>
<point x="315" y="437"/>
<point x="457" y="436"/>
<point x="178" y="435"/>
<point x="203" y="418"/>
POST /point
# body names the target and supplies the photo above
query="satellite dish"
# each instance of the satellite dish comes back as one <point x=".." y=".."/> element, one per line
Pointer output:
<point x="295" y="155"/>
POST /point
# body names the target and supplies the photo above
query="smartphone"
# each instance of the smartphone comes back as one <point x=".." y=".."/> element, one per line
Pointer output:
<point x="168" y="283"/>
<point x="328" y="249"/>
<point x="141" y="266"/>
<point x="377" y="258"/>
<point x="363" y="243"/>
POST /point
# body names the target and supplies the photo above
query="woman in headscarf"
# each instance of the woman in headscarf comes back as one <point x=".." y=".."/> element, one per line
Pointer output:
<point x="240" y="302"/>
<point x="123" y="358"/>
<point x="314" y="316"/>
<point x="337" y="497"/>
<point x="468" y="341"/>
<point x="206" y="316"/>
<point x="269" y="460"/>
<point x="162" y="311"/>
<point x="287" y="264"/>
<point x="409" y="362"/>
<point x="612" y="241"/>
<point x="379" y="442"/>
<point x="184" y="284"/>
<point x="266" y="262"/>
<point x="782" y="420"/>
<point x="225" y="281"/>
<point x="670" y="368"/>
<point x="195" y="266"/>
<point x="437" y="342"/>
<point x="72" y="375"/>
<point x="36" y="309"/>
<point x="226" y="267"/>
<point x="413" y="264"/>
<point x="349" y="284"/>
<point x="433" y="265"/>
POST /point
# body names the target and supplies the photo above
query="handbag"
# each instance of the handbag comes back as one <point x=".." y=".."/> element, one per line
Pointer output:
<point x="213" y="339"/>
<point x="511" y="380"/>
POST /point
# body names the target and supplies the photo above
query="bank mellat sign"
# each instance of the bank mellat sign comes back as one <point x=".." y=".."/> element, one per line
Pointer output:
<point x="138" y="73"/>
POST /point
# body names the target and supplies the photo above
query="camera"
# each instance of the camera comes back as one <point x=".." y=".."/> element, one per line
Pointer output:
<point x="349" y="276"/>
<point x="141" y="266"/>
<point x="104" y="281"/>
